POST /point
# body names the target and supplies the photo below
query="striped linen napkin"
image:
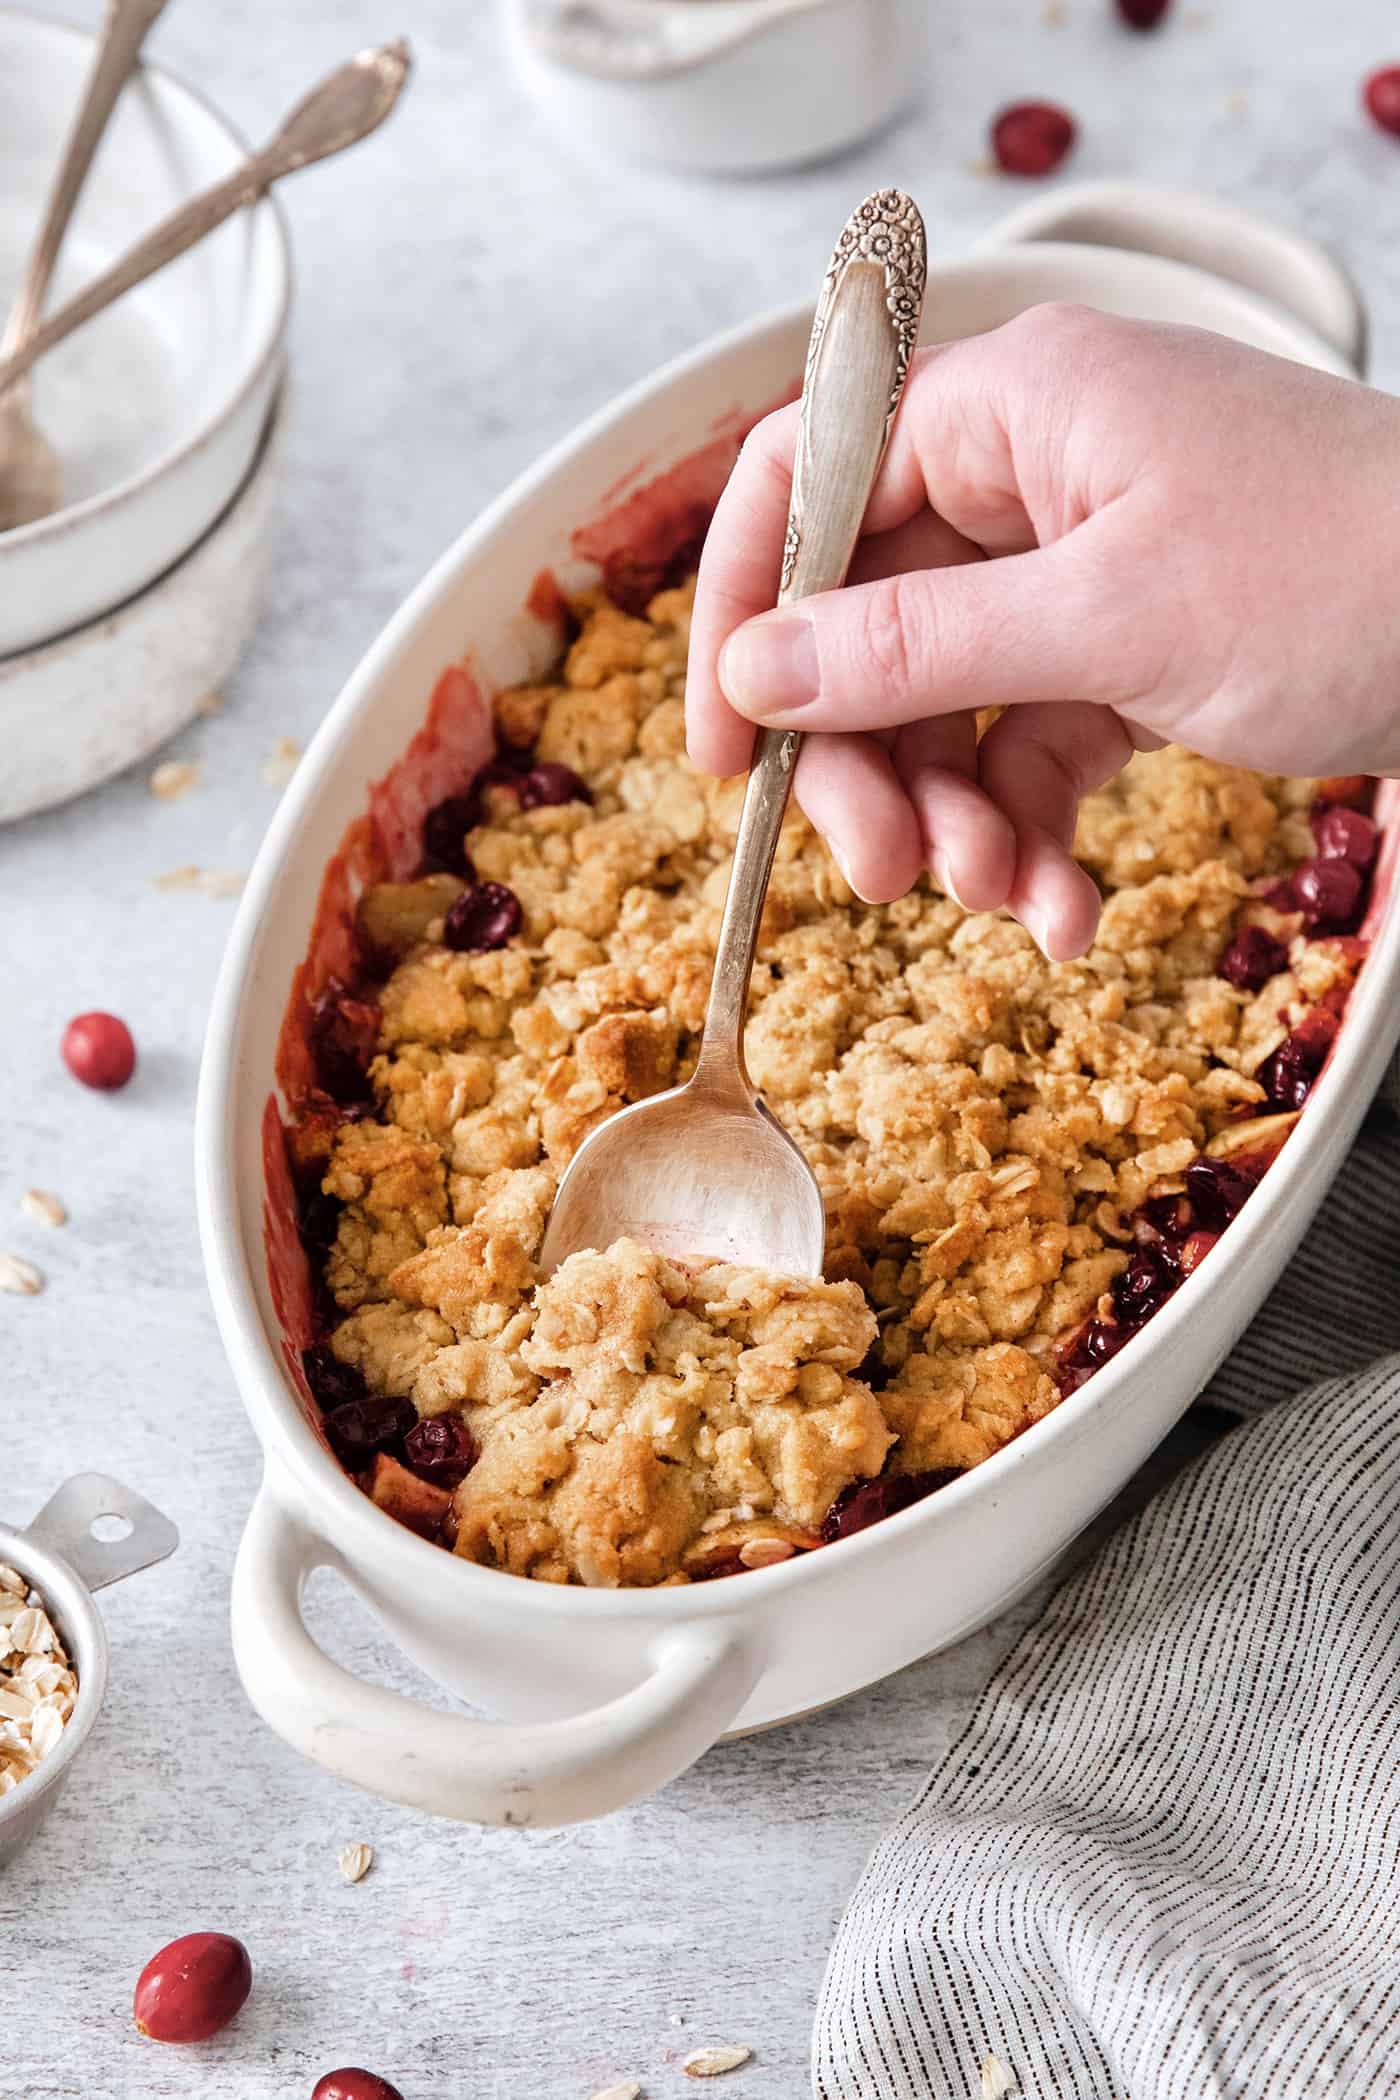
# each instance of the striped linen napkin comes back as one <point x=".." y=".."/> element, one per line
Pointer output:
<point x="1163" y="1861"/>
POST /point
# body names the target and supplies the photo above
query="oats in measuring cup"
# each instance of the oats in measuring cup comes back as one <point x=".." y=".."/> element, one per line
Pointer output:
<point x="38" y="1687"/>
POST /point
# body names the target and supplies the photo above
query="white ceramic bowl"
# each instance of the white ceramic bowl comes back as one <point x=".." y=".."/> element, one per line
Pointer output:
<point x="606" y="1694"/>
<point x="158" y="406"/>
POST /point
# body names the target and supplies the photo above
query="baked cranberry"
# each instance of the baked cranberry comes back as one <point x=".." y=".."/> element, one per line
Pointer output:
<point x="354" y="2085"/>
<point x="547" y="784"/>
<point x="1328" y="893"/>
<point x="1381" y="95"/>
<point x="1142" y="14"/>
<point x="1345" y="834"/>
<point x="1144" y="1286"/>
<point x="1219" y="1188"/>
<point x="440" y="1449"/>
<point x="1196" y="1249"/>
<point x="1280" y="897"/>
<point x="865" y="1502"/>
<point x="343" y="1033"/>
<point x="1167" y="1218"/>
<point x="1089" y="1348"/>
<point x="485" y="916"/>
<point x="445" y="831"/>
<point x="1032" y="138"/>
<point x="98" y="1049"/>
<point x="361" y="1427"/>
<point x="192" y="1988"/>
<point x="333" y="1384"/>
<point x="1252" y="958"/>
<point x="1289" y="1074"/>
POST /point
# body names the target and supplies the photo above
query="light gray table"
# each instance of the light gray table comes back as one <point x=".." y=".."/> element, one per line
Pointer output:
<point x="468" y="288"/>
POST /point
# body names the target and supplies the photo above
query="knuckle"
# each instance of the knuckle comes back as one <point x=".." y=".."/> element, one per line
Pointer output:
<point x="887" y="634"/>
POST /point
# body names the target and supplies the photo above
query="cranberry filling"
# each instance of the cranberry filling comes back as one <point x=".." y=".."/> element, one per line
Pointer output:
<point x="1327" y="893"/>
<point x="547" y="784"/>
<point x="1219" y="1188"/>
<point x="445" y="831"/>
<point x="1345" y="834"/>
<point x="865" y="1502"/>
<point x="482" y="918"/>
<point x="1252" y="958"/>
<point x="1089" y="1347"/>
<point x="440" y="1449"/>
<point x="342" y="1033"/>
<point x="359" y="1428"/>
<point x="333" y="1384"/>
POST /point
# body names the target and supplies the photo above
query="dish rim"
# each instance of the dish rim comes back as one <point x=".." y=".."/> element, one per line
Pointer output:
<point x="273" y="1406"/>
<point x="72" y="517"/>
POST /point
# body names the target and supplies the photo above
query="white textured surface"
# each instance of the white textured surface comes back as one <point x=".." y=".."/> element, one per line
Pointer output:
<point x="467" y="290"/>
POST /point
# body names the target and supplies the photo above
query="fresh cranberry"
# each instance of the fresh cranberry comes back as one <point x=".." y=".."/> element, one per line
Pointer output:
<point x="440" y="1449"/>
<point x="1142" y="14"/>
<point x="333" y="1384"/>
<point x="1381" y="95"/>
<point x="1219" y="1188"/>
<point x="343" y="1033"/>
<point x="1345" y="834"/>
<point x="1252" y="958"/>
<point x="1289" y="1074"/>
<point x="1196" y="1249"/>
<point x="546" y="785"/>
<point x="865" y="1502"/>
<point x="98" y="1049"/>
<point x="1032" y="138"/>
<point x="486" y="916"/>
<point x="192" y="1988"/>
<point x="362" y="1427"/>
<point x="354" y="2085"/>
<point x="1328" y="893"/>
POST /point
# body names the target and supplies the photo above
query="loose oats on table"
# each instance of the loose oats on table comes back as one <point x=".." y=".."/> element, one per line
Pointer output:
<point x="1020" y="1159"/>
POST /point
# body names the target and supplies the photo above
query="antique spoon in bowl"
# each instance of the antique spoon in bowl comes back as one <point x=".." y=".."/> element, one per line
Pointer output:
<point x="31" y="474"/>
<point x="706" y="1170"/>
<point x="342" y="109"/>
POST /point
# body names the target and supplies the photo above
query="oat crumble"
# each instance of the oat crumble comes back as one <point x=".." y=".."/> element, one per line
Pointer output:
<point x="38" y="1688"/>
<point x="990" y="1131"/>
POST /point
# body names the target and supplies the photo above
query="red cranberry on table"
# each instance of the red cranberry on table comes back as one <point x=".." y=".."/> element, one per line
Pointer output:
<point x="98" y="1049"/>
<point x="1381" y="95"/>
<point x="192" y="1988"/>
<point x="1142" y="14"/>
<point x="354" y="2085"/>
<point x="1032" y="138"/>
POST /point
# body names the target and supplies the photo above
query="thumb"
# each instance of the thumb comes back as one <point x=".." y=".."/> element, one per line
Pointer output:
<point x="1027" y="627"/>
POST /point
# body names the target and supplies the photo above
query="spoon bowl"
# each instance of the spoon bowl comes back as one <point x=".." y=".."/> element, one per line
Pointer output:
<point x="707" y="1171"/>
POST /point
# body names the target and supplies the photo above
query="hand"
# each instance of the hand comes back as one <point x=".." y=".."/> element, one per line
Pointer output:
<point x="1123" y="534"/>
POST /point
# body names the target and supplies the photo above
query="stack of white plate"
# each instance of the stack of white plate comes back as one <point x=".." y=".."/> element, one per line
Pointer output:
<point x="122" y="610"/>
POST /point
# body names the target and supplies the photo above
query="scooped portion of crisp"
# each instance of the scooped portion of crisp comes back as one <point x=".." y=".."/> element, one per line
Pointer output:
<point x="1021" y="1160"/>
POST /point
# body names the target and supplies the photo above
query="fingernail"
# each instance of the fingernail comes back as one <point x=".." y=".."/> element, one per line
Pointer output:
<point x="1037" y="926"/>
<point x="943" y="877"/>
<point x="768" y="666"/>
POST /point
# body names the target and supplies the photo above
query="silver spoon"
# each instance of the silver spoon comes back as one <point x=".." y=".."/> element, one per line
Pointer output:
<point x="706" y="1169"/>
<point x="346" y="106"/>
<point x="31" y="477"/>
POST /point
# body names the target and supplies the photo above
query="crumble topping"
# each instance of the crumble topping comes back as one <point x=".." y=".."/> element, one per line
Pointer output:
<point x="986" y="1126"/>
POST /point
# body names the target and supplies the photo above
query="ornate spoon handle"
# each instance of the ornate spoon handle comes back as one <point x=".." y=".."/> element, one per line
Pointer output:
<point x="346" y="106"/>
<point x="866" y="326"/>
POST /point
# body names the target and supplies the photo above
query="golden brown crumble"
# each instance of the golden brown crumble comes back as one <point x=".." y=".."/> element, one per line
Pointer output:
<point x="982" y="1122"/>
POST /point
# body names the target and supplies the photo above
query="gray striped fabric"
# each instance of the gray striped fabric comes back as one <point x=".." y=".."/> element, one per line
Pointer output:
<point x="1164" y="1858"/>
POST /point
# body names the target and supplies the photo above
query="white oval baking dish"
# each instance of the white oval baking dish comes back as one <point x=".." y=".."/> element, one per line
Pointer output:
<point x="607" y="1694"/>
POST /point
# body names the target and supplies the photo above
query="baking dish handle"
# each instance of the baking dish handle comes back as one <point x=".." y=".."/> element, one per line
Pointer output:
<point x="537" y="1773"/>
<point x="1245" y="247"/>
